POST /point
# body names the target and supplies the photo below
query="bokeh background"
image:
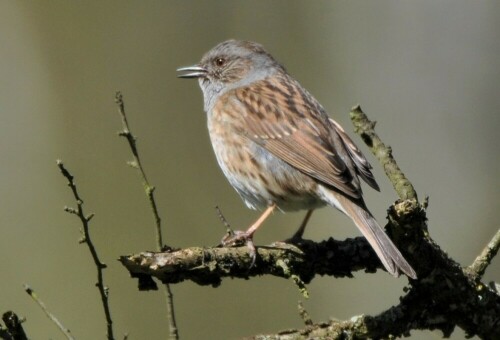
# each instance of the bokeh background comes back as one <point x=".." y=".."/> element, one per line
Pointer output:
<point x="428" y="72"/>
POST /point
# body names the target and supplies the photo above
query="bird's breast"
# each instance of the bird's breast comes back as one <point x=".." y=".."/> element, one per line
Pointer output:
<point x="258" y="176"/>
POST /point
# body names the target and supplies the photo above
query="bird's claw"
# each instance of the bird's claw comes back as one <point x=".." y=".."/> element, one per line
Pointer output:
<point x="238" y="238"/>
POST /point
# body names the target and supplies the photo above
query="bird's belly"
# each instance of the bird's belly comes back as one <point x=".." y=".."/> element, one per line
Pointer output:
<point x="260" y="178"/>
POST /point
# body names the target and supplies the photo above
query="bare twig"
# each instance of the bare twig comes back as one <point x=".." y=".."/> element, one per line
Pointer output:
<point x="85" y="219"/>
<point x="365" y="128"/>
<point x="478" y="267"/>
<point x="51" y="316"/>
<point x="136" y="163"/>
<point x="229" y="231"/>
<point x="304" y="315"/>
<point x="222" y="218"/>
<point x="149" y="189"/>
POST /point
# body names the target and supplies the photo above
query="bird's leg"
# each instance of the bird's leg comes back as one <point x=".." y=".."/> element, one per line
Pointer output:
<point x="238" y="236"/>
<point x="300" y="232"/>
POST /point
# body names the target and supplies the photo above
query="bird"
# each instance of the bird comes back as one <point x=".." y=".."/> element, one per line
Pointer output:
<point x="278" y="147"/>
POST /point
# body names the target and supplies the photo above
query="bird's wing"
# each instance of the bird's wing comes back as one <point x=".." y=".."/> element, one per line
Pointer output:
<point x="297" y="130"/>
<point x="363" y="167"/>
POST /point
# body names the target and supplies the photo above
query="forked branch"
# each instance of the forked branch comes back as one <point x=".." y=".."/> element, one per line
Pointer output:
<point x="444" y="296"/>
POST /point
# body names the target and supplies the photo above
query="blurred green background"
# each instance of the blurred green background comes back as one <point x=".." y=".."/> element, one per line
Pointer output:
<point x="428" y="72"/>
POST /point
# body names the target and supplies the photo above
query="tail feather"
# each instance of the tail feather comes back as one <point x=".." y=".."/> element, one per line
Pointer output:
<point x="389" y="255"/>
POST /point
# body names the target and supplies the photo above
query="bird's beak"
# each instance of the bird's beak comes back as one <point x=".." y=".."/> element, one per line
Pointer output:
<point x="194" y="71"/>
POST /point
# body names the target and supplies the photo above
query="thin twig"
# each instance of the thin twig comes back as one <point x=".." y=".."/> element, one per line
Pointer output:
<point x="229" y="231"/>
<point x="304" y="315"/>
<point x="365" y="128"/>
<point x="103" y="290"/>
<point x="51" y="316"/>
<point x="136" y="163"/>
<point x="149" y="189"/>
<point x="222" y="218"/>
<point x="478" y="267"/>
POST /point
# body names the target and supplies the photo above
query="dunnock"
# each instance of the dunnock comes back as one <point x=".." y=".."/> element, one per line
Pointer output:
<point x="277" y="146"/>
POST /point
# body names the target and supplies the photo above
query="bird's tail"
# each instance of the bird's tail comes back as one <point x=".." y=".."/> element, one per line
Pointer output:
<point x="391" y="257"/>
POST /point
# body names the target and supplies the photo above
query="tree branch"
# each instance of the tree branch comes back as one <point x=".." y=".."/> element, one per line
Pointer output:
<point x="365" y="129"/>
<point x="52" y="317"/>
<point x="100" y="266"/>
<point x="444" y="296"/>
<point x="149" y="190"/>
<point x="484" y="259"/>
<point x="208" y="266"/>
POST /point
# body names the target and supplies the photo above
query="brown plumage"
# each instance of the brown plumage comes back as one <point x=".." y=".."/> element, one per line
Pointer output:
<point x="277" y="146"/>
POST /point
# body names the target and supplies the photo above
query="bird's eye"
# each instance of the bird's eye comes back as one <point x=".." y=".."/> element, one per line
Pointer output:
<point x="220" y="62"/>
